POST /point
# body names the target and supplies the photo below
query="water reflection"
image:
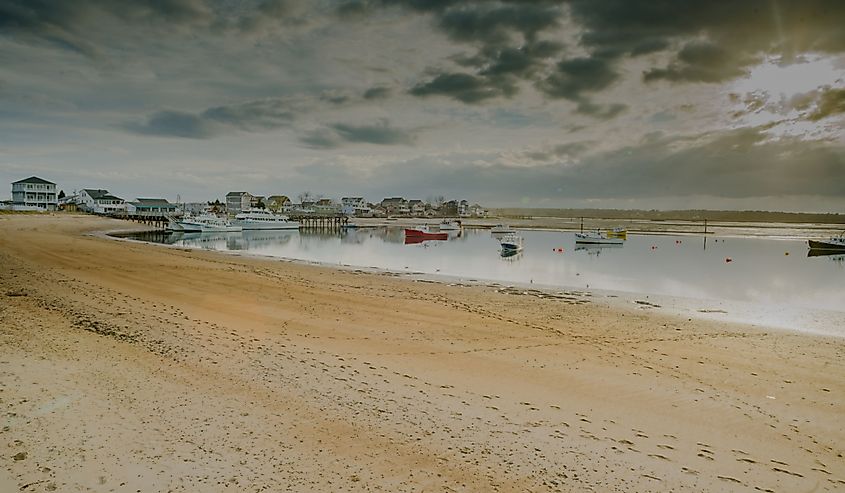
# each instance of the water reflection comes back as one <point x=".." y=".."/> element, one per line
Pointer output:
<point x="744" y="269"/>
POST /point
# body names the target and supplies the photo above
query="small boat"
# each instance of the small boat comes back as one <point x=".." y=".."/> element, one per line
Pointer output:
<point x="511" y="243"/>
<point x="501" y="229"/>
<point x="263" y="219"/>
<point x="619" y="232"/>
<point x="418" y="234"/>
<point x="597" y="238"/>
<point x="836" y="243"/>
<point x="205" y="223"/>
<point x="451" y="226"/>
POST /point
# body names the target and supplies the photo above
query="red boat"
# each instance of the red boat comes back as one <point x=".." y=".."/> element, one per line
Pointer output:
<point x="416" y="234"/>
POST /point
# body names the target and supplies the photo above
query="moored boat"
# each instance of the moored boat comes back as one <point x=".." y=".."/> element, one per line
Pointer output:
<point x="253" y="219"/>
<point x="206" y="223"/>
<point x="424" y="235"/>
<point x="597" y="238"/>
<point x="501" y="229"/>
<point x="834" y="243"/>
<point x="451" y="226"/>
<point x="511" y="243"/>
<point x="619" y="232"/>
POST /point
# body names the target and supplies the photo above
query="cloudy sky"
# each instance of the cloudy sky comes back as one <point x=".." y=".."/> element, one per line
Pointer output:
<point x="580" y="103"/>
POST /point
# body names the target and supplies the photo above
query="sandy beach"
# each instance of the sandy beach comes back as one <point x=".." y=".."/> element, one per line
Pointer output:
<point x="134" y="367"/>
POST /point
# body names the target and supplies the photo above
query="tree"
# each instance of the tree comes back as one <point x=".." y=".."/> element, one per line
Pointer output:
<point x="61" y="194"/>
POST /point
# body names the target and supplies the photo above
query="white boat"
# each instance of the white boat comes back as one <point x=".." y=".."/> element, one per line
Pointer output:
<point x="501" y="229"/>
<point x="451" y="226"/>
<point x="263" y="219"/>
<point x="511" y="243"/>
<point x="206" y="223"/>
<point x="597" y="238"/>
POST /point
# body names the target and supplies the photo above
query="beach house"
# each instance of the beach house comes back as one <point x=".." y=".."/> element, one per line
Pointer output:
<point x="99" y="201"/>
<point x="355" y="206"/>
<point x="34" y="192"/>
<point x="150" y="207"/>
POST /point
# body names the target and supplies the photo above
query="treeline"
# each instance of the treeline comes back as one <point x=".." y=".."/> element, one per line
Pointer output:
<point x="683" y="215"/>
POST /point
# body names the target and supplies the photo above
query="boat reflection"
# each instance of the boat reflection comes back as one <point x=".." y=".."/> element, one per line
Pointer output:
<point x="835" y="255"/>
<point x="510" y="255"/>
<point x="596" y="249"/>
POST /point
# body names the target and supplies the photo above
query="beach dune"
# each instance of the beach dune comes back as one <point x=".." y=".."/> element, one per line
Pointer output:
<point x="133" y="367"/>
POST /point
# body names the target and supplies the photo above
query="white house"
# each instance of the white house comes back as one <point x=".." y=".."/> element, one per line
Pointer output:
<point x="34" y="192"/>
<point x="100" y="201"/>
<point x="355" y="206"/>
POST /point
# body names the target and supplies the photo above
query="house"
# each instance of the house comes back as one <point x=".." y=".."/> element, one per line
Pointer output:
<point x="151" y="207"/>
<point x="34" y="192"/>
<point x="326" y="206"/>
<point x="463" y="208"/>
<point x="258" y="201"/>
<point x="395" y="205"/>
<point x="416" y="207"/>
<point x="99" y="201"/>
<point x="476" y="210"/>
<point x="69" y="203"/>
<point x="449" y="208"/>
<point x="355" y="206"/>
<point x="278" y="203"/>
<point x="238" y="201"/>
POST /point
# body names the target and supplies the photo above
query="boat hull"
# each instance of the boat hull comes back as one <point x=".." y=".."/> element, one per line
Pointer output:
<point x="598" y="241"/>
<point x="267" y="225"/>
<point x="424" y="235"/>
<point x="823" y="245"/>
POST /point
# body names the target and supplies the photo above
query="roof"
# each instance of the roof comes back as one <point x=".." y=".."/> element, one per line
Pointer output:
<point x="393" y="200"/>
<point x="95" y="193"/>
<point x="352" y="198"/>
<point x="152" y="202"/>
<point x="278" y="198"/>
<point x="35" y="179"/>
<point x="237" y="194"/>
<point x="107" y="196"/>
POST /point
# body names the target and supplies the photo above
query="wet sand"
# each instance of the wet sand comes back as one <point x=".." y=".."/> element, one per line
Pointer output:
<point x="134" y="367"/>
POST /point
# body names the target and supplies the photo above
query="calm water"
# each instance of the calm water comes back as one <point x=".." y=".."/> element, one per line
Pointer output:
<point x="760" y="270"/>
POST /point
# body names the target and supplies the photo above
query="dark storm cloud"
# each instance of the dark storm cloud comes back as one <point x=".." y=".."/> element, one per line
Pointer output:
<point x="571" y="78"/>
<point x="338" y="134"/>
<point x="174" y="124"/>
<point x="63" y="23"/>
<point x="251" y="116"/>
<point x="381" y="133"/>
<point x="496" y="24"/>
<point x="702" y="62"/>
<point x="463" y="87"/>
<point x="732" y="164"/>
<point x="831" y="102"/>
<point x="374" y="93"/>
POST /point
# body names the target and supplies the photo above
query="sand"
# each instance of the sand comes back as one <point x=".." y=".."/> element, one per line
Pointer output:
<point x="135" y="367"/>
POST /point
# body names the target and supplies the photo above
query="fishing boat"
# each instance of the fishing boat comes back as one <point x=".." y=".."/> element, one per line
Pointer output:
<point x="451" y="226"/>
<point x="501" y="229"/>
<point x="206" y="223"/>
<point x="252" y="219"/>
<point x="597" y="238"/>
<point x="836" y="243"/>
<point x="418" y="234"/>
<point x="511" y="243"/>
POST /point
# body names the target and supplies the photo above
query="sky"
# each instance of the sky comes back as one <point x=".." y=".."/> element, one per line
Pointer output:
<point x="648" y="104"/>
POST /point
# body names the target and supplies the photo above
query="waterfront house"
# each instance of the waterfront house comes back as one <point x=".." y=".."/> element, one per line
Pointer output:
<point x="416" y="207"/>
<point x="237" y="202"/>
<point x="150" y="207"/>
<point x="326" y="206"/>
<point x="395" y="206"/>
<point x="99" y="201"/>
<point x="34" y="192"/>
<point x="355" y="206"/>
<point x="278" y="203"/>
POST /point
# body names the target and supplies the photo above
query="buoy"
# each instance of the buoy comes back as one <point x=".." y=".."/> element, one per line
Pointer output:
<point x="653" y="247"/>
<point x="786" y="253"/>
<point x="728" y="259"/>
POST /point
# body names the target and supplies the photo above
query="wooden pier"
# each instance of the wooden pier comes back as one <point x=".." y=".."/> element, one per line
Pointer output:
<point x="320" y="221"/>
<point x="157" y="220"/>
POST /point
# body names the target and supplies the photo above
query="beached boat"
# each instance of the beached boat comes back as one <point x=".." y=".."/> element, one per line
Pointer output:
<point x="451" y="226"/>
<point x="501" y="229"/>
<point x="418" y="234"/>
<point x="206" y="223"/>
<point x="511" y="243"/>
<point x="597" y="238"/>
<point x="252" y="219"/>
<point x="836" y="243"/>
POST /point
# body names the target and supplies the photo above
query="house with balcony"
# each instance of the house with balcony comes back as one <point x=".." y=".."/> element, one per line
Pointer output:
<point x="355" y="206"/>
<point x="416" y="207"/>
<point x="99" y="201"/>
<point x="34" y="192"/>
<point x="395" y="206"/>
<point x="279" y="203"/>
